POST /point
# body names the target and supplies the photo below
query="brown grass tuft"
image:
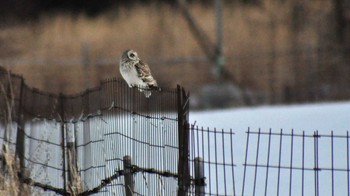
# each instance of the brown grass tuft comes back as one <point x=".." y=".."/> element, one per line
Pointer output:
<point x="75" y="187"/>
<point x="8" y="177"/>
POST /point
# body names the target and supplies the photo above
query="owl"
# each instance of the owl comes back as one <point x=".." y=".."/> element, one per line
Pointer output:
<point x="137" y="73"/>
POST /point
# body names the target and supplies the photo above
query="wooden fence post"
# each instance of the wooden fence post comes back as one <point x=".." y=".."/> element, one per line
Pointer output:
<point x="199" y="176"/>
<point x="128" y="176"/>
<point x="72" y="167"/>
<point x="20" y="147"/>
<point x="63" y="142"/>
<point x="20" y="140"/>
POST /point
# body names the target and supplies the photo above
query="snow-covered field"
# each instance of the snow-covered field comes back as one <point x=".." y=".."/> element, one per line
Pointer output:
<point x="321" y="117"/>
<point x="308" y="117"/>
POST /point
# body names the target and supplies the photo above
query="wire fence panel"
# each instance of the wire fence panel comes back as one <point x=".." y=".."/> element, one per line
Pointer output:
<point x="275" y="163"/>
<point x="289" y="163"/>
<point x="111" y="140"/>
<point x="43" y="152"/>
<point x="212" y="152"/>
<point x="79" y="143"/>
<point x="135" y="128"/>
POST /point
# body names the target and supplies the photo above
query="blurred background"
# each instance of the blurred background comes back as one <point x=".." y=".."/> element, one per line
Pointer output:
<point x="225" y="52"/>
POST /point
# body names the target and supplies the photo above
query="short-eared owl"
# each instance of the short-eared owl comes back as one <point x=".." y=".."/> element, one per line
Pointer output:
<point x="137" y="73"/>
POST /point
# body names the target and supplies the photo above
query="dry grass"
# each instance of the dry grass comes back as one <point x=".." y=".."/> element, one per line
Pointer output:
<point x="9" y="181"/>
<point x="9" y="166"/>
<point x="49" y="53"/>
<point x="75" y="187"/>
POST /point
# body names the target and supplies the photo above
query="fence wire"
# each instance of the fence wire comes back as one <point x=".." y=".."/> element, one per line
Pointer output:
<point x="212" y="151"/>
<point x="92" y="131"/>
<point x="289" y="163"/>
<point x="82" y="144"/>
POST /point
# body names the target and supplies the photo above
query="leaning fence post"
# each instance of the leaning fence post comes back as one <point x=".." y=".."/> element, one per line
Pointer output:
<point x="199" y="176"/>
<point x="20" y="140"/>
<point x="128" y="180"/>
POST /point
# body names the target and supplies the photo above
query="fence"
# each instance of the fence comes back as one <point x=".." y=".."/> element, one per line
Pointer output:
<point x="111" y="140"/>
<point x="97" y="140"/>
<point x="296" y="164"/>
<point x="212" y="162"/>
<point x="272" y="163"/>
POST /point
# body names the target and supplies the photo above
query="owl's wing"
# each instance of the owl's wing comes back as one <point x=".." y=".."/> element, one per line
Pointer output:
<point x="145" y="73"/>
<point x="143" y="69"/>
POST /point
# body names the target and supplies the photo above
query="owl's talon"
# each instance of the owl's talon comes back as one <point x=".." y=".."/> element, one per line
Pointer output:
<point x="155" y="88"/>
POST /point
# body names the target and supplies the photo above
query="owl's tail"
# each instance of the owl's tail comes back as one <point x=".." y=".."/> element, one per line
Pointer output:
<point x="147" y="93"/>
<point x="147" y="90"/>
<point x="155" y="88"/>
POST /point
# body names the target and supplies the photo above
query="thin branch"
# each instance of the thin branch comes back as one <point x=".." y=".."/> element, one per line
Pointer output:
<point x="135" y="169"/>
<point x="103" y="184"/>
<point x="45" y="187"/>
<point x="118" y="173"/>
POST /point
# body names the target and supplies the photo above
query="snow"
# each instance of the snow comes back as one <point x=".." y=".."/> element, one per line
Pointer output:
<point x="308" y="117"/>
<point x="321" y="117"/>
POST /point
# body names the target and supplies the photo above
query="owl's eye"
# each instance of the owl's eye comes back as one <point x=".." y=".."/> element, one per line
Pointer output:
<point x="132" y="55"/>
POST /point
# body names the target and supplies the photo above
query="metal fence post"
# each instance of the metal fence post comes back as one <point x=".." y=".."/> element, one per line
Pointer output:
<point x="128" y="176"/>
<point x="199" y="176"/>
<point x="183" y="137"/>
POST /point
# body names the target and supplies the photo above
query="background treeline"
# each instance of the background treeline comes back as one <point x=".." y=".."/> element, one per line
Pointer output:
<point x="22" y="10"/>
<point x="276" y="51"/>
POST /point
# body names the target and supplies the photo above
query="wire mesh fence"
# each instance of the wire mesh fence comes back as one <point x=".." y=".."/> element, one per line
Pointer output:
<point x="78" y="143"/>
<point x="274" y="163"/>
<point x="212" y="162"/>
<point x="289" y="163"/>
<point x="111" y="140"/>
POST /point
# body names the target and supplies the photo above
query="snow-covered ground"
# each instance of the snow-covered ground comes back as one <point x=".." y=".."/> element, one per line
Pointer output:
<point x="308" y="117"/>
<point x="321" y="117"/>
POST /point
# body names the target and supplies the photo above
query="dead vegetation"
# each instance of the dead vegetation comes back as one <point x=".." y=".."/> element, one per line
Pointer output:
<point x="9" y="180"/>
<point x="268" y="48"/>
<point x="16" y="179"/>
<point x="9" y="165"/>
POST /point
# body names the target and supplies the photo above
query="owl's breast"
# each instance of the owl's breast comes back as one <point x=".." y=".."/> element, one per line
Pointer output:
<point x="131" y="76"/>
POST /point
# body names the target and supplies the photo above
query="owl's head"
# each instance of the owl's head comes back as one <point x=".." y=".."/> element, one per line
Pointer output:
<point x="130" y="55"/>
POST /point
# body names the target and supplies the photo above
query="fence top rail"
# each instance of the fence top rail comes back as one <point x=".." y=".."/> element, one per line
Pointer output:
<point x="211" y="130"/>
<point x="11" y="75"/>
<point x="107" y="96"/>
<point x="293" y="134"/>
